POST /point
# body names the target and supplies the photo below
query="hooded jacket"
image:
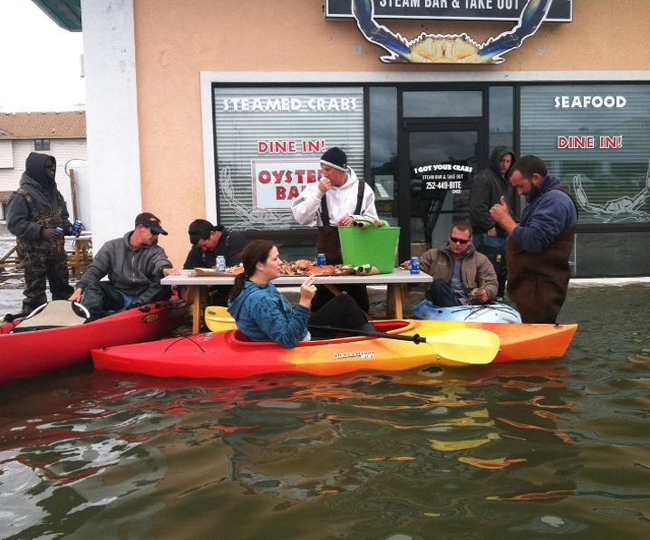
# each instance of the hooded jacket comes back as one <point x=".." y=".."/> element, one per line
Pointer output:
<point x="230" y="246"/>
<point x="488" y="186"/>
<point x="134" y="271"/>
<point x="341" y="201"/>
<point x="263" y="314"/>
<point x="48" y="208"/>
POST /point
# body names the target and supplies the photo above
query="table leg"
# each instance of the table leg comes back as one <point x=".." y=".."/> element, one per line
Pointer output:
<point x="394" y="307"/>
<point x="197" y="297"/>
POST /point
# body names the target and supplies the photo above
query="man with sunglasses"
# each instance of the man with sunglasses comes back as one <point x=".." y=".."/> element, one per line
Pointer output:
<point x="461" y="275"/>
<point x="134" y="265"/>
<point x="540" y="245"/>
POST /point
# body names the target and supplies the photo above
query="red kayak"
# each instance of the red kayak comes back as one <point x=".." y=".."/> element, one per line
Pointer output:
<point x="229" y="355"/>
<point x="25" y="354"/>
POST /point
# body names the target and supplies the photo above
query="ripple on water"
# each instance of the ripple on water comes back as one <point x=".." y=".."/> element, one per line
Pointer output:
<point x="503" y="451"/>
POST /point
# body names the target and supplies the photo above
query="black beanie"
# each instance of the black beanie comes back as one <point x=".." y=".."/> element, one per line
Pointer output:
<point x="335" y="157"/>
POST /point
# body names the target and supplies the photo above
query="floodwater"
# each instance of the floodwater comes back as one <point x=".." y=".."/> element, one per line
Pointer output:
<point x="541" y="450"/>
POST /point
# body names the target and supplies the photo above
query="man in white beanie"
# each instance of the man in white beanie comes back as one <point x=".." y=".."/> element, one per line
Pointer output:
<point x="331" y="203"/>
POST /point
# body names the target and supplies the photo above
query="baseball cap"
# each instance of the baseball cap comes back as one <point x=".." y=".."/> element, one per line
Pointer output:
<point x="152" y="222"/>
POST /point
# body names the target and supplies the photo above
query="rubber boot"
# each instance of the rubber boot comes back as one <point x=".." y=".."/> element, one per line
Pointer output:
<point x="368" y="327"/>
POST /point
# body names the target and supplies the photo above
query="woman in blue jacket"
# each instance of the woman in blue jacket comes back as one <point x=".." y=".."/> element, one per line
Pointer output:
<point x="263" y="314"/>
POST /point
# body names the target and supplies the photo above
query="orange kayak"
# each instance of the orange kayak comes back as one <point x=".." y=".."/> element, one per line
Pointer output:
<point x="229" y="355"/>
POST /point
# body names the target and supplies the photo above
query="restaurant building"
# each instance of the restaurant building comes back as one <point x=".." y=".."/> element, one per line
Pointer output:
<point x="221" y="109"/>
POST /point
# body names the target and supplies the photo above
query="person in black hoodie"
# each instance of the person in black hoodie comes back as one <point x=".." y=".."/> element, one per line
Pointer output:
<point x="209" y="241"/>
<point x="488" y="186"/>
<point x="38" y="217"/>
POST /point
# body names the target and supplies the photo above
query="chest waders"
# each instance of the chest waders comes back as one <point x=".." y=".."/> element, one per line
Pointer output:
<point x="43" y="260"/>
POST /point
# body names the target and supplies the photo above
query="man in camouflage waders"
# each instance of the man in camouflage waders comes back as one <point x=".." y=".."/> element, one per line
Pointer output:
<point x="37" y="215"/>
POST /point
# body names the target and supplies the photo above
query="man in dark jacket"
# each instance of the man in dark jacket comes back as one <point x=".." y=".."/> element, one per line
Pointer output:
<point x="488" y="186"/>
<point x="37" y="215"/>
<point x="209" y="241"/>
<point x="539" y="246"/>
<point x="134" y="265"/>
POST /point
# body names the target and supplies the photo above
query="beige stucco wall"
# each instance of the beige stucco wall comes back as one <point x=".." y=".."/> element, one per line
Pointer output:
<point x="177" y="39"/>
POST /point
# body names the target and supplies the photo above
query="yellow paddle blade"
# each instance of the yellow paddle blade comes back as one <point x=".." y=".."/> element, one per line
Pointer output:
<point x="465" y="345"/>
<point x="218" y="319"/>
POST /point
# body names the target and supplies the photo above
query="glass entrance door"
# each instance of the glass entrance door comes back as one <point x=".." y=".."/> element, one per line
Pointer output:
<point x="435" y="180"/>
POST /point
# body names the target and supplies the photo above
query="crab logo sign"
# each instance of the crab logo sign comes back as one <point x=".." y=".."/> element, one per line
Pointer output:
<point x="448" y="48"/>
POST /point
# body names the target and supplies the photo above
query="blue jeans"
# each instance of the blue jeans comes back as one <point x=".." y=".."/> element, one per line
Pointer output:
<point x="441" y="295"/>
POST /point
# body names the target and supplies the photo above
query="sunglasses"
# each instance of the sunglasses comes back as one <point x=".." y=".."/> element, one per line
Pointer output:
<point x="458" y="240"/>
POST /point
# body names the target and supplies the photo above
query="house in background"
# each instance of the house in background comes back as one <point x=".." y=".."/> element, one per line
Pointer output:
<point x="60" y="134"/>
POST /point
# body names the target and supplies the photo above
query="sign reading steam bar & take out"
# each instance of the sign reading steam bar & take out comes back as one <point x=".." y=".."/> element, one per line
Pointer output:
<point x="445" y="48"/>
<point x="482" y="10"/>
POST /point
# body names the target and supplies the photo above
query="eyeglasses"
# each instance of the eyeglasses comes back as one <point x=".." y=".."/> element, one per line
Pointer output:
<point x="458" y="240"/>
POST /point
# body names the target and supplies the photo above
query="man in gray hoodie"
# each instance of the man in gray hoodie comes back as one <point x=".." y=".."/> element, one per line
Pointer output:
<point x="488" y="186"/>
<point x="37" y="215"/>
<point x="134" y="265"/>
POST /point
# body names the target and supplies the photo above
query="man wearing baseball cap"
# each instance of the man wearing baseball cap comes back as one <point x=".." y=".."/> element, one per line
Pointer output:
<point x="329" y="204"/>
<point x="134" y="265"/>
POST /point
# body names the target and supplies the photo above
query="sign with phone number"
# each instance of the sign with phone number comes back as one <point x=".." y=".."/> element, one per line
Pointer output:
<point x="430" y="185"/>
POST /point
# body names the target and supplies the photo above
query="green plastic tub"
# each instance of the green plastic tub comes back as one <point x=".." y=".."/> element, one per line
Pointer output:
<point x="376" y="246"/>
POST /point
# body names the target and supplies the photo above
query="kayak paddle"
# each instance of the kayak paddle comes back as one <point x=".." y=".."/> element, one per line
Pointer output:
<point x="464" y="345"/>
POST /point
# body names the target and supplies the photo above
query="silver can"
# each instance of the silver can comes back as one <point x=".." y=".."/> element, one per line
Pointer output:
<point x="221" y="263"/>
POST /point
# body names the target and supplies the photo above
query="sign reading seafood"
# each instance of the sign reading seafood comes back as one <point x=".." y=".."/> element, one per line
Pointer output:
<point x="449" y="48"/>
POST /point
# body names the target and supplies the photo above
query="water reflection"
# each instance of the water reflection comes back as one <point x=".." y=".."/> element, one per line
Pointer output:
<point x="538" y="449"/>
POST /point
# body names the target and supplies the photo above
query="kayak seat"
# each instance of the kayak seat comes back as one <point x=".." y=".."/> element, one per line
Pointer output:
<point x="54" y="314"/>
<point x="389" y="324"/>
<point x="240" y="336"/>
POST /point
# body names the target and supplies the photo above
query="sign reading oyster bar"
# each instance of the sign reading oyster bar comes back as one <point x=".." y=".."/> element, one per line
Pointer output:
<point x="276" y="183"/>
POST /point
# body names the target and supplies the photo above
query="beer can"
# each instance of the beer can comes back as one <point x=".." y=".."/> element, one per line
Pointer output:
<point x="415" y="265"/>
<point x="77" y="227"/>
<point x="320" y="259"/>
<point x="221" y="263"/>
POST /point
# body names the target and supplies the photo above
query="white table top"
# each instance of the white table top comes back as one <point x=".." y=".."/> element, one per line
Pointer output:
<point x="397" y="277"/>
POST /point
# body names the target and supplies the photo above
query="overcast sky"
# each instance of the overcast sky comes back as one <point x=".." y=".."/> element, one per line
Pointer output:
<point x="40" y="63"/>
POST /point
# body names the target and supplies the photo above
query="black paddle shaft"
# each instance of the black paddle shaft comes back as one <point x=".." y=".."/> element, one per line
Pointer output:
<point x="415" y="338"/>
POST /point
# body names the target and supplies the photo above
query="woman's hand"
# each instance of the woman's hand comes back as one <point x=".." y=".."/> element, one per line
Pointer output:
<point x="307" y="291"/>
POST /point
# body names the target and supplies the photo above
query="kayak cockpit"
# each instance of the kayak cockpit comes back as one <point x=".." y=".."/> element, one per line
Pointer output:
<point x="391" y="326"/>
